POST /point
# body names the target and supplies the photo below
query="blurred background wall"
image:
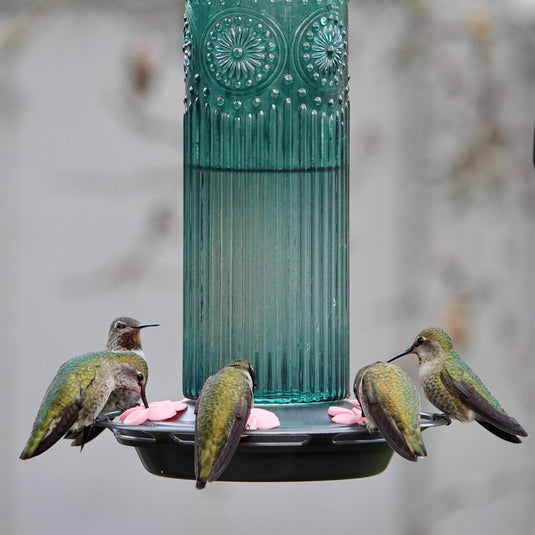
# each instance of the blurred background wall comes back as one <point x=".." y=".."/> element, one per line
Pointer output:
<point x="442" y="232"/>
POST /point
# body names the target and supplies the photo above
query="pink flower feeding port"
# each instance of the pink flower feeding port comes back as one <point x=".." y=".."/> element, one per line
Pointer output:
<point x="352" y="416"/>
<point x="157" y="411"/>
<point x="160" y="411"/>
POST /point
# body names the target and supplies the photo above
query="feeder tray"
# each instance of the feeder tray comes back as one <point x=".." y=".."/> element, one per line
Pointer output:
<point x="306" y="447"/>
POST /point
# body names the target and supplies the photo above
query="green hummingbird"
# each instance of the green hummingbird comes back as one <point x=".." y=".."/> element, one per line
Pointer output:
<point x="390" y="403"/>
<point x="221" y="412"/>
<point x="89" y="385"/>
<point x="455" y="389"/>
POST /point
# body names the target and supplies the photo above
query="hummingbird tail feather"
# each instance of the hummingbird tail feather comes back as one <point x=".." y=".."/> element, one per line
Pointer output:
<point x="82" y="437"/>
<point x="418" y="447"/>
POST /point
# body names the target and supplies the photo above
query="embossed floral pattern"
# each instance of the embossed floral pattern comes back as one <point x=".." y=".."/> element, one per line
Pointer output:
<point x="327" y="49"/>
<point x="322" y="51"/>
<point x="243" y="51"/>
<point x="240" y="53"/>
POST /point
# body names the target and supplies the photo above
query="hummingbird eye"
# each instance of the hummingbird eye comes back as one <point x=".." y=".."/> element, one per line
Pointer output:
<point x="120" y="325"/>
<point x="140" y="377"/>
<point x="420" y="340"/>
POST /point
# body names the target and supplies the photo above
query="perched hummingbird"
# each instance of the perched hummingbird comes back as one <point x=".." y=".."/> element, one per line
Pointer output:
<point x="391" y="404"/>
<point x="221" y="412"/>
<point x="455" y="389"/>
<point x="91" y="384"/>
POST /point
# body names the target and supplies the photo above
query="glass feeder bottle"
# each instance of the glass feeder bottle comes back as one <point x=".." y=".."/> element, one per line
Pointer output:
<point x="266" y="134"/>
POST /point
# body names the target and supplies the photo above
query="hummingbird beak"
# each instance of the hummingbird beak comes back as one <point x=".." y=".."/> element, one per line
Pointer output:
<point x="410" y="350"/>
<point x="143" y="325"/>
<point x="144" y="398"/>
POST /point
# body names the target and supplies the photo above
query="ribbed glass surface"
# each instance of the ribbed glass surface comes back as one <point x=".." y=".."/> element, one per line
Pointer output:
<point x="266" y="195"/>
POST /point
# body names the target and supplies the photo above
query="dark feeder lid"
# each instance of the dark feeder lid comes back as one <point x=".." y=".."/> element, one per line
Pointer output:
<point x="306" y="447"/>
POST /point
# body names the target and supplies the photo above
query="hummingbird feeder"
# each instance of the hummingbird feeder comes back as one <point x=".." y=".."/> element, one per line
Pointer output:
<point x="266" y="218"/>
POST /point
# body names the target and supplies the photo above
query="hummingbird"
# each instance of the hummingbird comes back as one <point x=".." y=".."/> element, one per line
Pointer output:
<point x="90" y="385"/>
<point x="391" y="403"/>
<point x="221" y="411"/>
<point x="455" y="389"/>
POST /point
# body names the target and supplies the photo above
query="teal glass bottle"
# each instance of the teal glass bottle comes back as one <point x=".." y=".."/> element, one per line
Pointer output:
<point x="266" y="136"/>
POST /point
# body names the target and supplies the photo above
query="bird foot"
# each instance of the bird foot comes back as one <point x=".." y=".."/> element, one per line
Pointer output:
<point x="108" y="417"/>
<point x="441" y="416"/>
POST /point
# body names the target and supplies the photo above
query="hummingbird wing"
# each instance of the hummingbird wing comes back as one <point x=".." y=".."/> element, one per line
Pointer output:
<point x="387" y="426"/>
<point x="498" y="432"/>
<point x="243" y="409"/>
<point x="472" y="392"/>
<point x="60" y="407"/>
<point x="44" y="435"/>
